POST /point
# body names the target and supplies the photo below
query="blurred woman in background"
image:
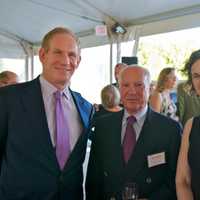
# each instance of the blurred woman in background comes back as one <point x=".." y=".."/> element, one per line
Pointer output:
<point x="160" y="100"/>
<point x="110" y="100"/>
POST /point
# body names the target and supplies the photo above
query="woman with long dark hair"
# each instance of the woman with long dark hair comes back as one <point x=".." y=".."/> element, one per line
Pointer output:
<point x="188" y="93"/>
<point x="188" y="176"/>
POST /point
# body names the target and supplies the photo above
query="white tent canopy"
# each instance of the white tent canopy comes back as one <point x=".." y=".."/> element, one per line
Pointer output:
<point x="23" y="23"/>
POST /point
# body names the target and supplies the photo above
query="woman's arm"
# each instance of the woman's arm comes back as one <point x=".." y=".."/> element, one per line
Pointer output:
<point x="183" y="175"/>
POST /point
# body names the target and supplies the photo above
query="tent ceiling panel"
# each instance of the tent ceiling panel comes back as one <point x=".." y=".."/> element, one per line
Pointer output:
<point x="29" y="20"/>
<point x="10" y="48"/>
<point x="128" y="10"/>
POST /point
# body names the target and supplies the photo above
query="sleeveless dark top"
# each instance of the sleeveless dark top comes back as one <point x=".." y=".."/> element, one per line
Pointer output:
<point x="194" y="157"/>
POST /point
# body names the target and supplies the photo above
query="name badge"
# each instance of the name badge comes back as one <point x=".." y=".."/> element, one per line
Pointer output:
<point x="156" y="159"/>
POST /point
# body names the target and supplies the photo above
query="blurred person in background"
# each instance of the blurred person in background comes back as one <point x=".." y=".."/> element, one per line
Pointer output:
<point x="160" y="100"/>
<point x="8" y="78"/>
<point x="188" y="92"/>
<point x="110" y="100"/>
<point x="118" y="68"/>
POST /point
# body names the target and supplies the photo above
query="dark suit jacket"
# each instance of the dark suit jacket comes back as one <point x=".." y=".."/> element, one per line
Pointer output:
<point x="29" y="167"/>
<point x="107" y="172"/>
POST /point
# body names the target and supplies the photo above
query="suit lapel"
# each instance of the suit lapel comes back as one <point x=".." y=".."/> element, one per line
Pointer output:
<point x="139" y="156"/>
<point x="81" y="107"/>
<point x="81" y="144"/>
<point x="83" y="113"/>
<point x="33" y="104"/>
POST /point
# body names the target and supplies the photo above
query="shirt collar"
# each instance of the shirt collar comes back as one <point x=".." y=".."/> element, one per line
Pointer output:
<point x="66" y="92"/>
<point x="48" y="89"/>
<point x="138" y="115"/>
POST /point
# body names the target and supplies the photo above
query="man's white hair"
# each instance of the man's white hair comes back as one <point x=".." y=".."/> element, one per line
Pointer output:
<point x="146" y="72"/>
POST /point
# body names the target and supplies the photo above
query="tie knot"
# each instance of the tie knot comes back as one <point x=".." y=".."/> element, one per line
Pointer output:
<point x="58" y="95"/>
<point x="131" y="119"/>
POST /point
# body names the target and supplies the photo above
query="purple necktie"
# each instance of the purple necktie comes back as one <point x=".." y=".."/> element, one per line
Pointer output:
<point x="62" y="132"/>
<point x="129" y="138"/>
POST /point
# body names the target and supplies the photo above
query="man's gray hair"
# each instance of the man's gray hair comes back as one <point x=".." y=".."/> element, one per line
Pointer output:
<point x="146" y="72"/>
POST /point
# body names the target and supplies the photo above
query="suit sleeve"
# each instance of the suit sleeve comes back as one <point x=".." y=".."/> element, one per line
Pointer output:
<point x="3" y="125"/>
<point x="94" y="177"/>
<point x="167" y="191"/>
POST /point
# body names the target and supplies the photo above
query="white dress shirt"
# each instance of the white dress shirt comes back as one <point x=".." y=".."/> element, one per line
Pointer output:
<point x="140" y="117"/>
<point x="75" y="125"/>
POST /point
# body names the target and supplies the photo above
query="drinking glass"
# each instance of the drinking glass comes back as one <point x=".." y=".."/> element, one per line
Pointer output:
<point x="130" y="191"/>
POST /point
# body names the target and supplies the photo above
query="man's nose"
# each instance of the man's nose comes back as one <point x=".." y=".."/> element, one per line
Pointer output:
<point x="132" y="89"/>
<point x="65" y="59"/>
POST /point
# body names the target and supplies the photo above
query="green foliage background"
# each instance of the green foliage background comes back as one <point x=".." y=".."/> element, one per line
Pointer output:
<point x="166" y="50"/>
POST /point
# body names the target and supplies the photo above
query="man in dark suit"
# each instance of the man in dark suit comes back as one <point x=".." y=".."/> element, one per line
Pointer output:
<point x="34" y="165"/>
<point x="143" y="151"/>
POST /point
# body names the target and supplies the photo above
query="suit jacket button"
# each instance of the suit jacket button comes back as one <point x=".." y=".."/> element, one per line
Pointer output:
<point x="148" y="180"/>
<point x="105" y="173"/>
<point x="93" y="129"/>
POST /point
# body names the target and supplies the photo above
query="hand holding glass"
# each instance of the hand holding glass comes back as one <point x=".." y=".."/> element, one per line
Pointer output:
<point x="130" y="191"/>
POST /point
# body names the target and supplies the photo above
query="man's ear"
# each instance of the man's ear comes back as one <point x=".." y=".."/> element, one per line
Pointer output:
<point x="42" y="54"/>
<point x="78" y="62"/>
<point x="148" y="91"/>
